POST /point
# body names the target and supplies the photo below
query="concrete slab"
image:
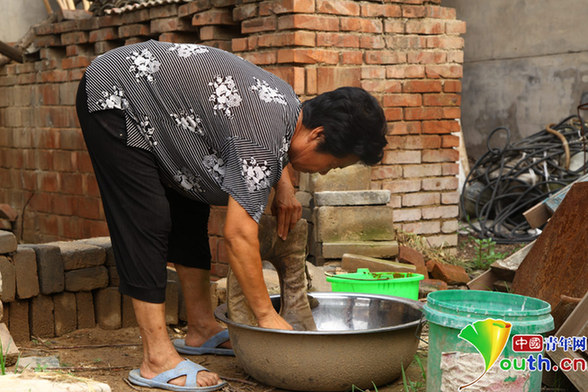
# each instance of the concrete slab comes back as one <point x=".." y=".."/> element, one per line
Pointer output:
<point x="77" y="254"/>
<point x="49" y="382"/>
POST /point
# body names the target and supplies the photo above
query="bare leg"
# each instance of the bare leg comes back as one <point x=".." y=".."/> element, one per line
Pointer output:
<point x="159" y="354"/>
<point x="201" y="322"/>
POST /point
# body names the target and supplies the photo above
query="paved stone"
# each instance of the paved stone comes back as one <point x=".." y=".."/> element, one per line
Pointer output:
<point x="128" y="313"/>
<point x="77" y="254"/>
<point x="452" y="274"/>
<point x="42" y="321"/>
<point x="49" y="268"/>
<point x="351" y="262"/>
<point x="86" y="279"/>
<point x="27" y="280"/>
<point x="105" y="243"/>
<point x="85" y="310"/>
<point x="384" y="249"/>
<point x="427" y="286"/>
<point x="352" y="198"/>
<point x="8" y="243"/>
<point x="337" y="224"/>
<point x="65" y="313"/>
<point x="108" y="303"/>
<point x="8" y="273"/>
<point x="33" y="363"/>
<point x="412" y="256"/>
<point x="49" y="382"/>
<point x="10" y="351"/>
<point x="351" y="178"/>
<point x="19" y="321"/>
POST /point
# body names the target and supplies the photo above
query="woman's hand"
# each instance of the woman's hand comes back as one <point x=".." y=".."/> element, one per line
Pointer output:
<point x="274" y="321"/>
<point x="285" y="207"/>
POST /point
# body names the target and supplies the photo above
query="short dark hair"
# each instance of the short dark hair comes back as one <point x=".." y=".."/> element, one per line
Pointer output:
<point x="353" y="122"/>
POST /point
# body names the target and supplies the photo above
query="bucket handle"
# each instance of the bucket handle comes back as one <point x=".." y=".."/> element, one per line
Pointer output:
<point x="417" y="332"/>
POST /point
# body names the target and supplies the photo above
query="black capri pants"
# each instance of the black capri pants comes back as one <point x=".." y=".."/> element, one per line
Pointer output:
<point x="149" y="223"/>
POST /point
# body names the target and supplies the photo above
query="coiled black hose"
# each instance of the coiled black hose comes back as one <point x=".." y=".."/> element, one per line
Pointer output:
<point x="507" y="181"/>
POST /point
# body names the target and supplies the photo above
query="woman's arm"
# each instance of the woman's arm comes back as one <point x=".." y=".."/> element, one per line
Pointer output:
<point x="285" y="207"/>
<point x="243" y="248"/>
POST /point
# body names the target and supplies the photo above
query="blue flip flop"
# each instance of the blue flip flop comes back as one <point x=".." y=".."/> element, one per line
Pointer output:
<point x="185" y="368"/>
<point x="209" y="347"/>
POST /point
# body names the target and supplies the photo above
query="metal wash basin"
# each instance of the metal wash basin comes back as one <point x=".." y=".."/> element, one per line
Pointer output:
<point x="360" y="339"/>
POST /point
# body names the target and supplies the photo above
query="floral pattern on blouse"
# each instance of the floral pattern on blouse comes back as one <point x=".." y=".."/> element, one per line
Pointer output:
<point x="144" y="64"/>
<point x="215" y="166"/>
<point x="267" y="93"/>
<point x="257" y="175"/>
<point x="189" y="121"/>
<point x="147" y="130"/>
<point x="187" y="50"/>
<point x="114" y="100"/>
<point x="225" y="95"/>
<point x="188" y="180"/>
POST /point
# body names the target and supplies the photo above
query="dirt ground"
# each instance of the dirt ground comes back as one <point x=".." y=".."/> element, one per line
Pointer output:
<point x="108" y="356"/>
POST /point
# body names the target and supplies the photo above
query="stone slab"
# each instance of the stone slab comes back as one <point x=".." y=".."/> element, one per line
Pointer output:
<point x="65" y="313"/>
<point x="33" y="363"/>
<point x="351" y="262"/>
<point x="85" y="310"/>
<point x="336" y="250"/>
<point x="352" y="198"/>
<point x="27" y="280"/>
<point x="108" y="304"/>
<point x="19" y="321"/>
<point x="44" y="382"/>
<point x="49" y="268"/>
<point x="556" y="264"/>
<point x="77" y="254"/>
<point x="86" y="279"/>
<point x="106" y="244"/>
<point x="351" y="178"/>
<point x="8" y="243"/>
<point x="337" y="224"/>
<point x="8" y="272"/>
<point x="42" y="321"/>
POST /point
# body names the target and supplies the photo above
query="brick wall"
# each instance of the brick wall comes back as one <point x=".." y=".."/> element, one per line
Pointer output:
<point x="408" y="53"/>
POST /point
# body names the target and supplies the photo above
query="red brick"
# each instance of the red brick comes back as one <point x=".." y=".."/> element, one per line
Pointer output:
<point x="90" y="186"/>
<point x="92" y="228"/>
<point x="422" y="86"/>
<point x="337" y="39"/>
<point x="450" y="197"/>
<point x="311" y="81"/>
<point x="395" y="26"/>
<point x="393" y="114"/>
<point x="386" y="172"/>
<point x="424" y="113"/>
<point x="407" y="215"/>
<point x="441" y="212"/>
<point x="257" y="25"/>
<point x="384" y="57"/>
<point x="413" y="11"/>
<point x="352" y="57"/>
<point x="208" y="33"/>
<point x="439" y="184"/>
<point x="372" y="42"/>
<point x="193" y="7"/>
<point x="451" y="113"/>
<point x="427" y="286"/>
<point x="180" y="37"/>
<point x="90" y="208"/>
<point x="413" y="257"/>
<point x="450" y="169"/>
<point x="330" y="78"/>
<point x="106" y="34"/>
<point x="308" y="22"/>
<point x="445" y="155"/>
<point x="455" y="56"/>
<point x="177" y="24"/>
<point x="71" y="183"/>
<point x="216" y="221"/>
<point x="452" y="274"/>
<point x="455" y="27"/>
<point x="308" y="56"/>
<point x="442" y="100"/>
<point x="422" y="227"/>
<point x="27" y="78"/>
<point x="104" y="46"/>
<point x="64" y="204"/>
<point x="452" y="86"/>
<point x="405" y="71"/>
<point x="294" y="76"/>
<point x="337" y="7"/>
<point x="421" y="199"/>
<point x="296" y="38"/>
<point x="49" y="94"/>
<point x="393" y="157"/>
<point x="361" y="25"/>
<point x="444" y="71"/>
<point x="76" y="50"/>
<point x="406" y="42"/>
<point x="373" y="72"/>
<point x="133" y="30"/>
<point x="425" y="26"/>
<point x="111" y="20"/>
<point x="75" y="62"/>
<point x="403" y="100"/>
<point x="286" y="6"/>
<point x="77" y="37"/>
<point x="220" y="270"/>
<point x="261" y="58"/>
<point x="239" y="44"/>
<point x="163" y="11"/>
<point x="440" y="126"/>
<point x="379" y="10"/>
<point x="445" y="42"/>
<point x="426" y="57"/>
<point x="404" y="186"/>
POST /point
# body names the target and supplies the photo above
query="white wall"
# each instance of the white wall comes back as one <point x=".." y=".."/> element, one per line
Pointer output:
<point x="16" y="16"/>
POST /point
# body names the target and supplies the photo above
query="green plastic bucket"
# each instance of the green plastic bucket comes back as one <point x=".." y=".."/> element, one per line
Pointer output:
<point x="452" y="360"/>
<point x="398" y="284"/>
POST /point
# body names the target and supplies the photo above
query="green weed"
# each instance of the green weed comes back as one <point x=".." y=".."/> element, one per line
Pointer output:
<point x="485" y="252"/>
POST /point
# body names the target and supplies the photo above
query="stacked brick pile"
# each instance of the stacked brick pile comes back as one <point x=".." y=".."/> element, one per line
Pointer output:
<point x="408" y="53"/>
<point x="54" y="288"/>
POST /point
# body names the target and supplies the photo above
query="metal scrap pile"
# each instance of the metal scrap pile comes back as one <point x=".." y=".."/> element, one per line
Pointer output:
<point x="506" y="181"/>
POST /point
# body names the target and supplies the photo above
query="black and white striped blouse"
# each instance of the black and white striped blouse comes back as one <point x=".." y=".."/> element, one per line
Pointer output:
<point x="218" y="125"/>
